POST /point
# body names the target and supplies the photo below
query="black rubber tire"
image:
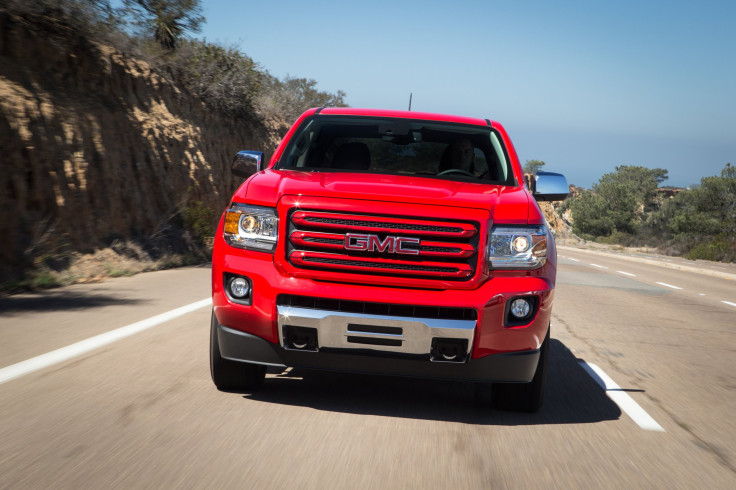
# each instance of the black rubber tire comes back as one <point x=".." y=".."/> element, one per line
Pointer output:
<point x="524" y="397"/>
<point x="232" y="375"/>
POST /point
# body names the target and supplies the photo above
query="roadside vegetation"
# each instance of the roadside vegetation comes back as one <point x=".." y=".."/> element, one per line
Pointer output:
<point x="629" y="207"/>
<point x="160" y="32"/>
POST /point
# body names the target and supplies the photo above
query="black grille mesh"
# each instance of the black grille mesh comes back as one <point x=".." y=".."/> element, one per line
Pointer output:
<point x="381" y="224"/>
<point x="386" y="309"/>
<point x="379" y="265"/>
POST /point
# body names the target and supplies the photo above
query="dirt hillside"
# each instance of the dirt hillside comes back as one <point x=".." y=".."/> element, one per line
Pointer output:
<point x="98" y="150"/>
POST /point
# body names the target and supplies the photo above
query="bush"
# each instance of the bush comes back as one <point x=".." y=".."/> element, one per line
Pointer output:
<point x="590" y="215"/>
<point x="44" y="280"/>
<point x="224" y="78"/>
<point x="231" y="82"/>
<point x="721" y="248"/>
<point x="290" y="97"/>
<point x="619" y="201"/>
<point x="200" y="221"/>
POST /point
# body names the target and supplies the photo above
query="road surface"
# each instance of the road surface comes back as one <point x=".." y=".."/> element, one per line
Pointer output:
<point x="134" y="407"/>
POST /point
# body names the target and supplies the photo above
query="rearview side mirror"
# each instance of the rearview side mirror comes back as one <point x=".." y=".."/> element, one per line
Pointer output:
<point x="549" y="186"/>
<point x="246" y="163"/>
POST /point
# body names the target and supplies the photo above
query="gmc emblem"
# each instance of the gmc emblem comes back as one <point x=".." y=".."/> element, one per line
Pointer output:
<point x="372" y="243"/>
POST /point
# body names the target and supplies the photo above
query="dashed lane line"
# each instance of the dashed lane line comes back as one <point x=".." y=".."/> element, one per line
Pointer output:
<point x="621" y="398"/>
<point x="92" y="343"/>
<point x="661" y="262"/>
<point x="660" y="283"/>
<point x="668" y="285"/>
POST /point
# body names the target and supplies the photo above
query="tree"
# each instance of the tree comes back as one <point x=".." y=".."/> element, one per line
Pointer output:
<point x="705" y="217"/>
<point x="168" y="19"/>
<point x="533" y="166"/>
<point x="642" y="182"/>
<point x="618" y="202"/>
<point x="709" y="209"/>
<point x="590" y="215"/>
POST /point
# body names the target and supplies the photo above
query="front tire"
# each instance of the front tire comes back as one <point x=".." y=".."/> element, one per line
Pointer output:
<point x="232" y="375"/>
<point x="524" y="397"/>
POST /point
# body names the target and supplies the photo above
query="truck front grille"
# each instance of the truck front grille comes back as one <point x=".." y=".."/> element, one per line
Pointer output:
<point x="382" y="245"/>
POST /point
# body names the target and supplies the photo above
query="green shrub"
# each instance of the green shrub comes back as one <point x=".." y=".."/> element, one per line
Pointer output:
<point x="224" y="78"/>
<point x="44" y="280"/>
<point x="200" y="221"/>
<point x="721" y="248"/>
<point x="114" y="271"/>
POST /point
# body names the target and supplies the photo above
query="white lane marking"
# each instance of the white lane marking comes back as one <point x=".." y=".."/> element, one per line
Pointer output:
<point x="701" y="294"/>
<point x="668" y="285"/>
<point x="729" y="303"/>
<point x="599" y="266"/>
<point x="621" y="398"/>
<point x="574" y="260"/>
<point x="77" y="349"/>
<point x="626" y="273"/>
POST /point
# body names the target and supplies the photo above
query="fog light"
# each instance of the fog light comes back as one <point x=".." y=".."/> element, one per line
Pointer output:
<point x="520" y="308"/>
<point x="239" y="287"/>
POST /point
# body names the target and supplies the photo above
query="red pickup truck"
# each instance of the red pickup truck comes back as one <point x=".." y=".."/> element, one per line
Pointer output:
<point x="388" y="242"/>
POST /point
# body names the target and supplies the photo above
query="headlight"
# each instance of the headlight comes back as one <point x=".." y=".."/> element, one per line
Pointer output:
<point x="251" y="227"/>
<point x="522" y="247"/>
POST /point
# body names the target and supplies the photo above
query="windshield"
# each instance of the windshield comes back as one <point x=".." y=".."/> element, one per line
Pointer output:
<point x="398" y="146"/>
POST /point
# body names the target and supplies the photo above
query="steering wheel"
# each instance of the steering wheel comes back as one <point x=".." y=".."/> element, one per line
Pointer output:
<point x="455" y="171"/>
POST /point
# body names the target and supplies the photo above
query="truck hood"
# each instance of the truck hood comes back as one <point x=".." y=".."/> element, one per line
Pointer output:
<point x="506" y="204"/>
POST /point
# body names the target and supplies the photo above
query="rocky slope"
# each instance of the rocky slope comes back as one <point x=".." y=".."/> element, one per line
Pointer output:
<point x="97" y="150"/>
<point x="560" y="227"/>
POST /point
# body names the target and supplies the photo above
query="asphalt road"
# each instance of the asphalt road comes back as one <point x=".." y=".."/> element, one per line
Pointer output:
<point x="141" y="411"/>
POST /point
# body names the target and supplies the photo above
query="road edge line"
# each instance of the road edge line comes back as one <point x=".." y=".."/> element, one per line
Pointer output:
<point x="71" y="351"/>
<point x="621" y="398"/>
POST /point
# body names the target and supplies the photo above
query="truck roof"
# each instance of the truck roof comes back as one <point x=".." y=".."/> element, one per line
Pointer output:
<point x="351" y="111"/>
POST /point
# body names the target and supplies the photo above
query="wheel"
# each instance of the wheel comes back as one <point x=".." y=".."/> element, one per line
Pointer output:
<point x="524" y="397"/>
<point x="232" y="375"/>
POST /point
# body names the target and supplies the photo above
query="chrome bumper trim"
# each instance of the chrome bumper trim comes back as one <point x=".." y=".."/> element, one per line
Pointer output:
<point x="334" y="328"/>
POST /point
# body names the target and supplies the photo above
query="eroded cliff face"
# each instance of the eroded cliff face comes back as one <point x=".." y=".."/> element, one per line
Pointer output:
<point x="560" y="227"/>
<point x="96" y="147"/>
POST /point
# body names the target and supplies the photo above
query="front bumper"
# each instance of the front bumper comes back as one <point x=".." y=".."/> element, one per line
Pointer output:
<point x="506" y="367"/>
<point x="491" y="334"/>
<point x="390" y="334"/>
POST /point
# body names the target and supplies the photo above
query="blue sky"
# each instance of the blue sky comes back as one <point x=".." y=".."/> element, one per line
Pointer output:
<point x="583" y="85"/>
